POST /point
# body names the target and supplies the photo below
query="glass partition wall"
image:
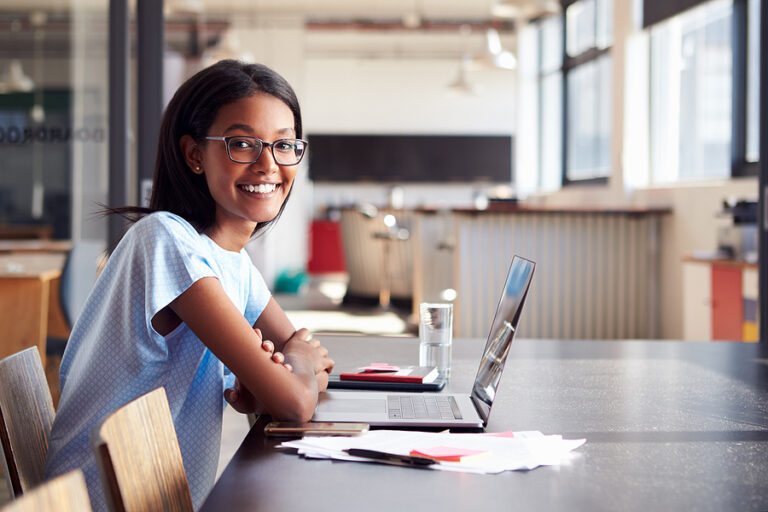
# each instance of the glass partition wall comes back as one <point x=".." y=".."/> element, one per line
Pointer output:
<point x="53" y="119"/>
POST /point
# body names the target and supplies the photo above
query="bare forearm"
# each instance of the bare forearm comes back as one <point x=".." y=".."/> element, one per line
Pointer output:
<point x="275" y="325"/>
<point x="300" y="404"/>
<point x="213" y="318"/>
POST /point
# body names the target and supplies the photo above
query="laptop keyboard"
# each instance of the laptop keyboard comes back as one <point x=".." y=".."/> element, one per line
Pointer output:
<point x="423" y="407"/>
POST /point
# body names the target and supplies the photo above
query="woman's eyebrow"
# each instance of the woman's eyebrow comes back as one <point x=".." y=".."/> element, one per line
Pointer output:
<point x="238" y="126"/>
<point x="249" y="129"/>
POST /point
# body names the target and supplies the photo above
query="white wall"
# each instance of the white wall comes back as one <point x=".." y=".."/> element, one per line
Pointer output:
<point x="388" y="96"/>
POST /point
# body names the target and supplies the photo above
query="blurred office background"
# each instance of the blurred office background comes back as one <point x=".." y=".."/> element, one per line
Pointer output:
<point x="615" y="142"/>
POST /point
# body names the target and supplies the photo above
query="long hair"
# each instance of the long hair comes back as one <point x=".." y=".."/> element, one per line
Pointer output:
<point x="191" y="111"/>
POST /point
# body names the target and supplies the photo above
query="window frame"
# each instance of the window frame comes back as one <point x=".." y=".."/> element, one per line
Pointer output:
<point x="569" y="64"/>
<point x="740" y="167"/>
<point x="541" y="76"/>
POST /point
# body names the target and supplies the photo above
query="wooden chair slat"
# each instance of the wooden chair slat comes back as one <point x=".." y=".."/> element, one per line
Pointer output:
<point x="26" y="417"/>
<point x="139" y="457"/>
<point x="65" y="493"/>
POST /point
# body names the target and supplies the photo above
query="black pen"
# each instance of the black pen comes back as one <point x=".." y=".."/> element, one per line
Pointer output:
<point x="410" y="460"/>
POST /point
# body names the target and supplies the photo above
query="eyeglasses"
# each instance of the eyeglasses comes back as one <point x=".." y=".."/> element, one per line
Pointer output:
<point x="242" y="149"/>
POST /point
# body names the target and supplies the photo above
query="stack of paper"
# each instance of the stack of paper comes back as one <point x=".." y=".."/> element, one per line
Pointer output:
<point x="474" y="453"/>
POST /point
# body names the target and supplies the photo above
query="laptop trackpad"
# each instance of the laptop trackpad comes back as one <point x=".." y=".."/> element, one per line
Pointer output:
<point x="353" y="405"/>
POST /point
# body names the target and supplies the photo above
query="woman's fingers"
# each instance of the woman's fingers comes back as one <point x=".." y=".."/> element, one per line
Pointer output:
<point x="231" y="395"/>
<point x="322" y="381"/>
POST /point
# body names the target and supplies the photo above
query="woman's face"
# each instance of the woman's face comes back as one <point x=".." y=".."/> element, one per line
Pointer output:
<point x="246" y="194"/>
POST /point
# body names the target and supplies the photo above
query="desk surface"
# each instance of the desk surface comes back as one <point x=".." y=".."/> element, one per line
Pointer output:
<point x="669" y="426"/>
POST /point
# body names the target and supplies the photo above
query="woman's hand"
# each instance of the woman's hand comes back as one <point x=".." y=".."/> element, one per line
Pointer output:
<point x="303" y="343"/>
<point x="239" y="397"/>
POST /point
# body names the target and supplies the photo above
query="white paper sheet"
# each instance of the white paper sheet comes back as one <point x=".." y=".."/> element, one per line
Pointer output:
<point x="505" y="452"/>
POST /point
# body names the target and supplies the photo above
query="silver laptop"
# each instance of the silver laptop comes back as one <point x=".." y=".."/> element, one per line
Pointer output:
<point x="442" y="410"/>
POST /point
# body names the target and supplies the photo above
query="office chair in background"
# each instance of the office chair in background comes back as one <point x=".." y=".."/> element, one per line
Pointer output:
<point x="81" y="268"/>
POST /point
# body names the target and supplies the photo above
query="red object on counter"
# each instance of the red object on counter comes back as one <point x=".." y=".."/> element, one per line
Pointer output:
<point x="326" y="250"/>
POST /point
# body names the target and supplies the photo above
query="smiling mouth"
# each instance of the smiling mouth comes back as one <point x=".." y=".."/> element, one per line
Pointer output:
<point x="262" y="188"/>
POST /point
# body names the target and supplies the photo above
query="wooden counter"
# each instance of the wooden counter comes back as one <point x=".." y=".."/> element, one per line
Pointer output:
<point x="25" y="297"/>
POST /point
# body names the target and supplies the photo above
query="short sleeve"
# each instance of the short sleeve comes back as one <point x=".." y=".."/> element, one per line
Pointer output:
<point x="173" y="257"/>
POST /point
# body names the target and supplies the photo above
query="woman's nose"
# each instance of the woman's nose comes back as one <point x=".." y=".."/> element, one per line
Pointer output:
<point x="266" y="162"/>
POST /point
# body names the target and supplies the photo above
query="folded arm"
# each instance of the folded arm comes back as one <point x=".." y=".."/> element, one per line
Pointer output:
<point x="286" y="395"/>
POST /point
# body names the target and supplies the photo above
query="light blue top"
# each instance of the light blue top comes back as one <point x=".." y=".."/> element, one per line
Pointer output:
<point x="114" y="355"/>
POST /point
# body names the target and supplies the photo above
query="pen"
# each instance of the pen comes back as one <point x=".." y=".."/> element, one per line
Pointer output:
<point x="411" y="460"/>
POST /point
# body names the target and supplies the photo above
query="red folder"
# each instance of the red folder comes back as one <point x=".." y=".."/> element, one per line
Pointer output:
<point x="410" y="374"/>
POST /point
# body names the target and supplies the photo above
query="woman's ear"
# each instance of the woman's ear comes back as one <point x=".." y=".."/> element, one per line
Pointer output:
<point x="191" y="152"/>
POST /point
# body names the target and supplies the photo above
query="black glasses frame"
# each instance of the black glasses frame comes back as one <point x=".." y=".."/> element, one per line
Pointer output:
<point x="270" y="145"/>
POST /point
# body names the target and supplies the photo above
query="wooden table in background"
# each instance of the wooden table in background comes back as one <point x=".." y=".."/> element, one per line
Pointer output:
<point x="35" y="245"/>
<point x="26" y="283"/>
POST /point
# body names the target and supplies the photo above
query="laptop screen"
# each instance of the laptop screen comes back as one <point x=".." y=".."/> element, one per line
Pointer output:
<point x="503" y="330"/>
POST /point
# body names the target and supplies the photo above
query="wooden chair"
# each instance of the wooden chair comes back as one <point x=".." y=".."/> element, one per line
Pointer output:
<point x="139" y="457"/>
<point x="65" y="493"/>
<point x="26" y="416"/>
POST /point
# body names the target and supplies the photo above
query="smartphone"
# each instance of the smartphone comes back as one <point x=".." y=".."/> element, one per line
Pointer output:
<point x="320" y="428"/>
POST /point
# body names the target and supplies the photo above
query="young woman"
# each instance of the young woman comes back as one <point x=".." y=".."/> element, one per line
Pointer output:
<point x="179" y="304"/>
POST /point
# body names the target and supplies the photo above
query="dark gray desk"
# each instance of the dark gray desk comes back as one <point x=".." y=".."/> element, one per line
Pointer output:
<point x="669" y="426"/>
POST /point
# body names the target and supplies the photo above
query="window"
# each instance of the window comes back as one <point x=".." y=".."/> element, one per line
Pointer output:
<point x="691" y="79"/>
<point x="704" y="93"/>
<point x="550" y="108"/>
<point x="587" y="67"/>
<point x="589" y="120"/>
<point x="752" y="153"/>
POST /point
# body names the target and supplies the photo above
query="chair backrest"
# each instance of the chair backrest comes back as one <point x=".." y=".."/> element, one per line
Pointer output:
<point x="78" y="277"/>
<point x="364" y="256"/>
<point x="26" y="416"/>
<point x="139" y="457"/>
<point x="65" y="493"/>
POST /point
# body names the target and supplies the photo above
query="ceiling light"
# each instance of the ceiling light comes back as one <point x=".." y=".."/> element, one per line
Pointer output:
<point x="227" y="48"/>
<point x="495" y="56"/>
<point x="412" y="20"/>
<point x="461" y="84"/>
<point x="16" y="80"/>
<point x="511" y="9"/>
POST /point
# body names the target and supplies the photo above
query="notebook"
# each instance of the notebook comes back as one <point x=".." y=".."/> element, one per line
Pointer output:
<point x="443" y="410"/>
<point x="335" y="382"/>
<point x="409" y="374"/>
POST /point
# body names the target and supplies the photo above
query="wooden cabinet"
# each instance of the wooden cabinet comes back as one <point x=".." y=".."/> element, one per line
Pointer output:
<point x="719" y="300"/>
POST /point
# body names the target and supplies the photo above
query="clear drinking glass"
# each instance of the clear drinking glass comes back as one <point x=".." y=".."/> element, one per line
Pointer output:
<point x="436" y="336"/>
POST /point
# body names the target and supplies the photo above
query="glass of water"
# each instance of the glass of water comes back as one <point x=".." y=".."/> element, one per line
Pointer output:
<point x="436" y="336"/>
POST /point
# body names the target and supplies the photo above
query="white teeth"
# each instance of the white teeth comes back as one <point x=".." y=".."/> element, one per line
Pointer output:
<point x="263" y="188"/>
